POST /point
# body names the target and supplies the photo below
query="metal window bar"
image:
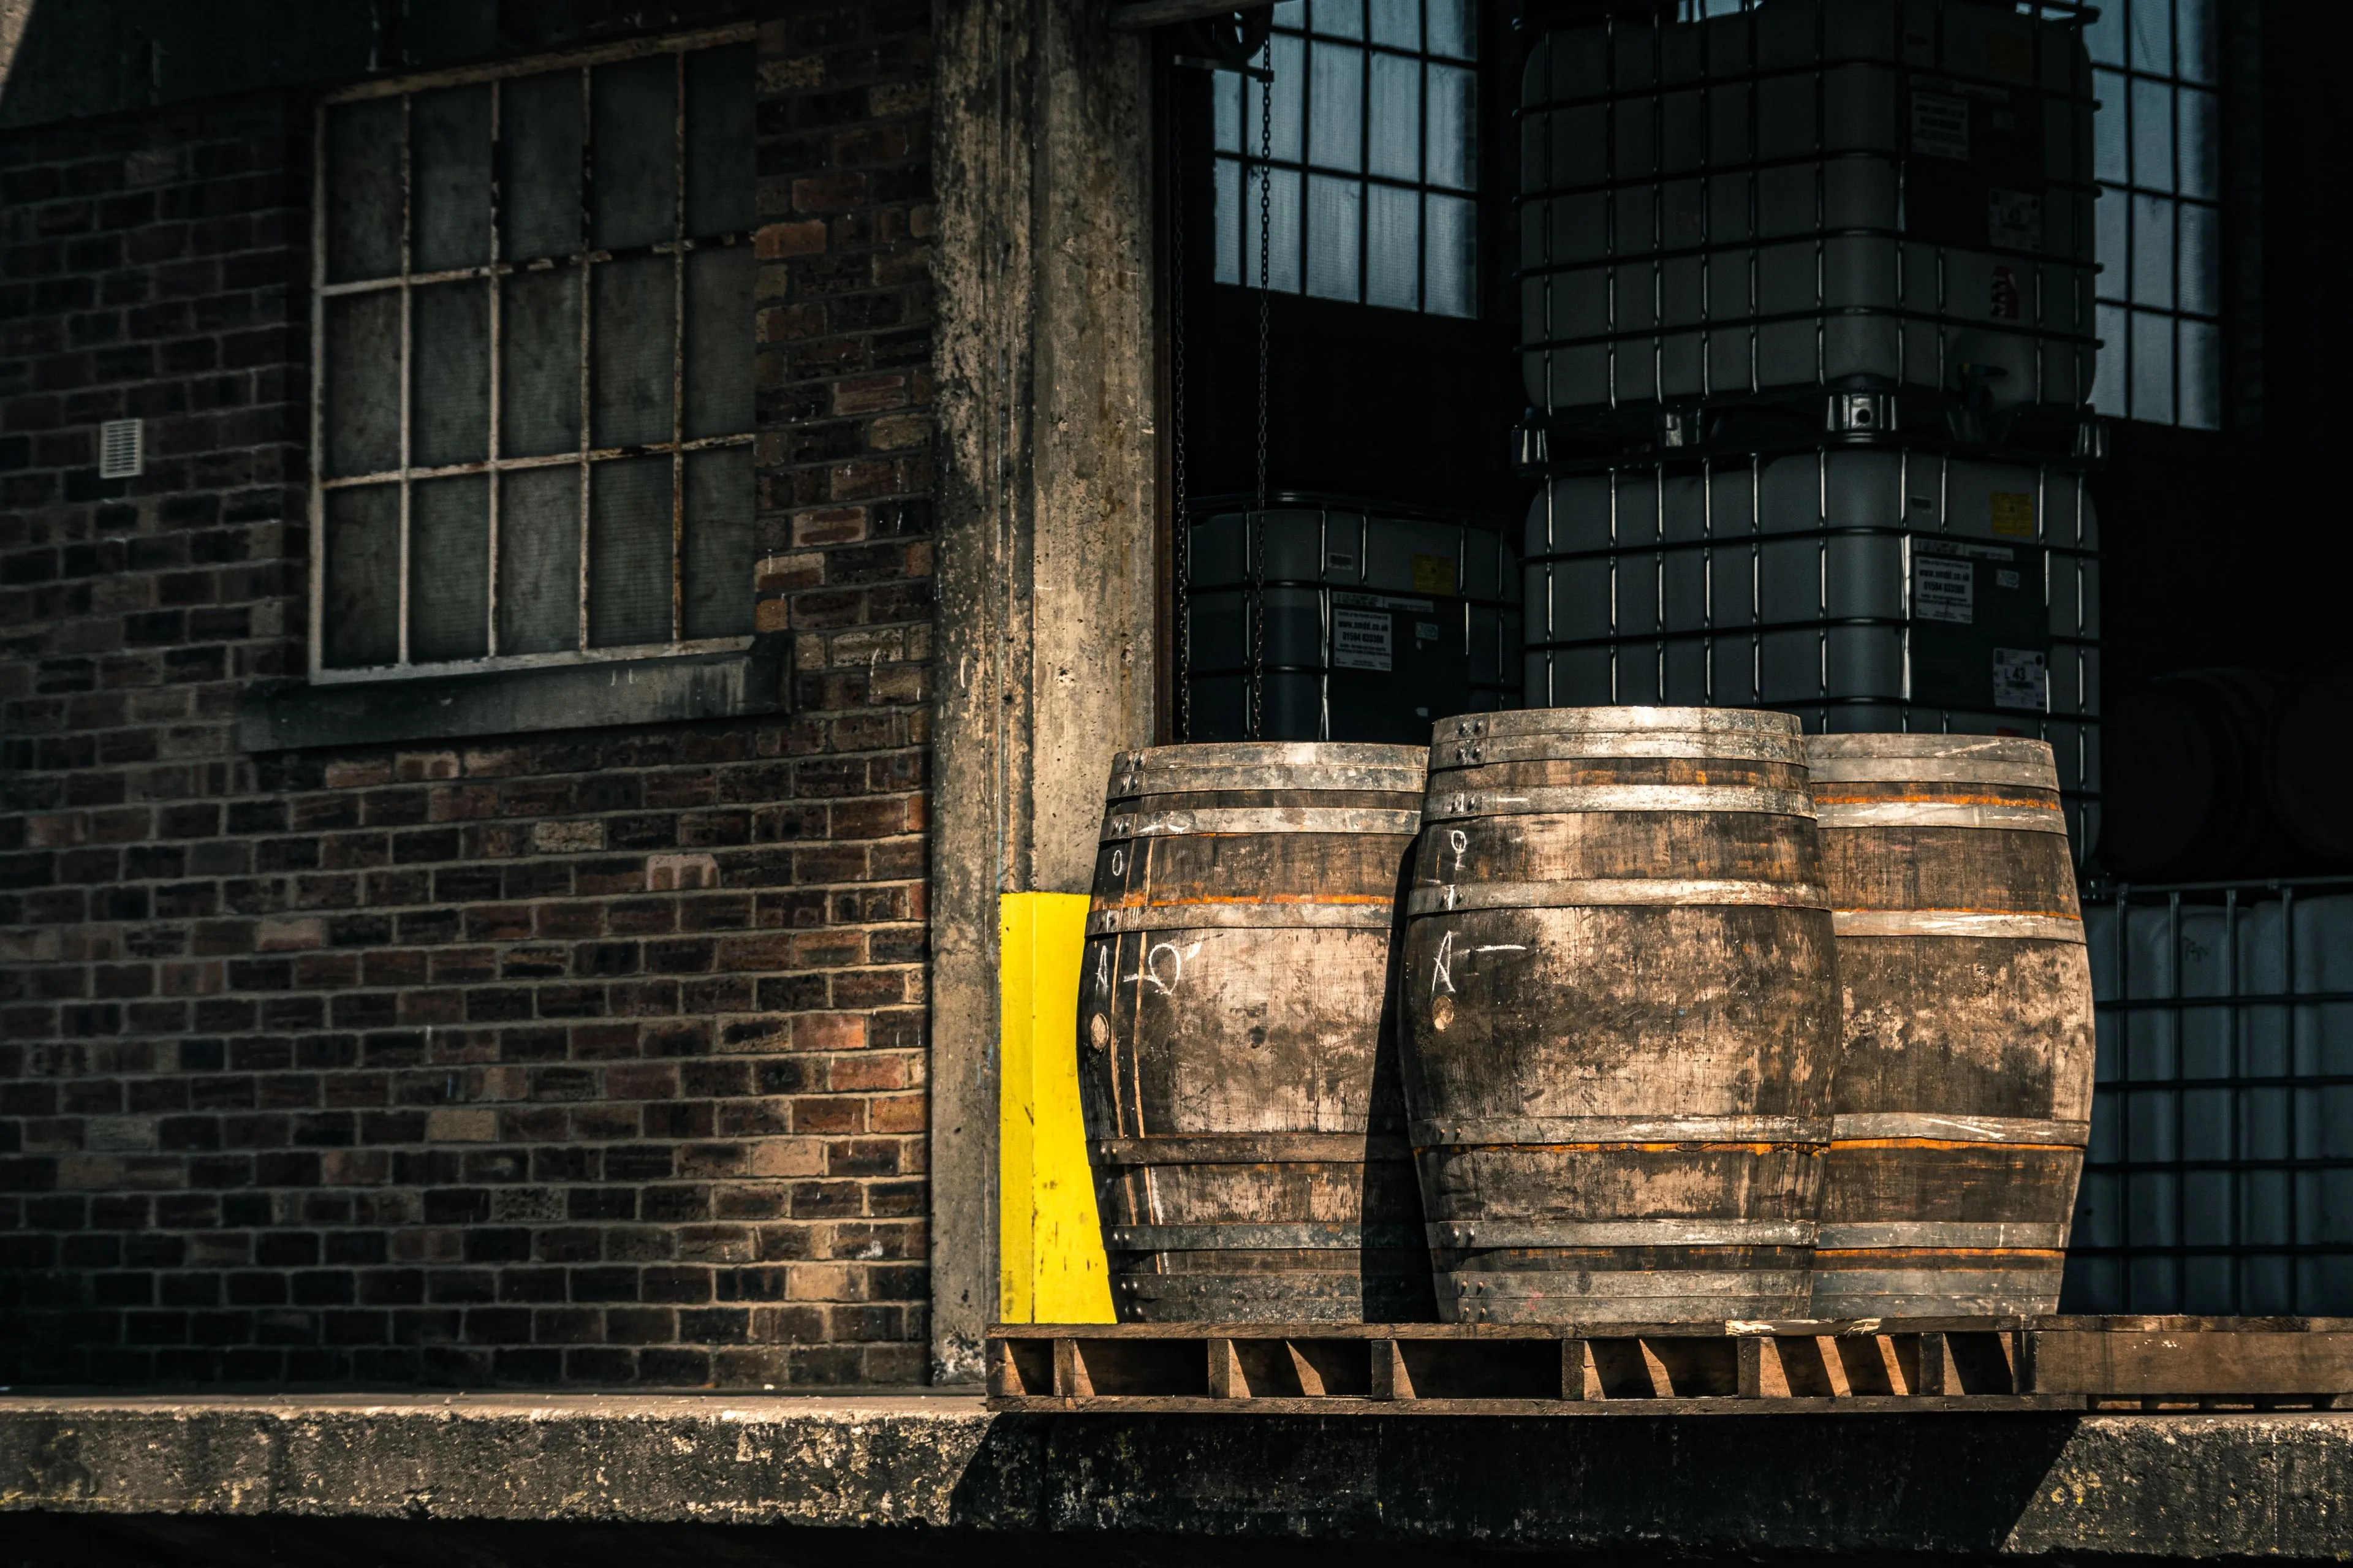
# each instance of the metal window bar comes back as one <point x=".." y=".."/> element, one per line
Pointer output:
<point x="679" y="247"/>
<point x="2285" y="992"/>
<point x="1303" y="169"/>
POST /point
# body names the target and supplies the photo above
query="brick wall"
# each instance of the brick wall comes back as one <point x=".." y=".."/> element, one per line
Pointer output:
<point x="594" y="1058"/>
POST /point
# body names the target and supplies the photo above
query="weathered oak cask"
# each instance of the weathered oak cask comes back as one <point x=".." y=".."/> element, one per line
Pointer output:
<point x="1621" y="1016"/>
<point x="1962" y="1100"/>
<point x="1236" y="1035"/>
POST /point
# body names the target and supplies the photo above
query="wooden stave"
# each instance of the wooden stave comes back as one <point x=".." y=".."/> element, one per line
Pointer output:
<point x="1989" y="988"/>
<point x="1594" y="1284"/>
<point x="1301" y="1180"/>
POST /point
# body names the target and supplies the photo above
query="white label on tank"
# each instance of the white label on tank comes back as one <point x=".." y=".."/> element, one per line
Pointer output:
<point x="2022" y="679"/>
<point x="1360" y="639"/>
<point x="2014" y="220"/>
<point x="1943" y="590"/>
<point x="1940" y="125"/>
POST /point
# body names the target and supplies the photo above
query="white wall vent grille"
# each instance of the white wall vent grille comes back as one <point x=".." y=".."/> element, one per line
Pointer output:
<point x="121" y="449"/>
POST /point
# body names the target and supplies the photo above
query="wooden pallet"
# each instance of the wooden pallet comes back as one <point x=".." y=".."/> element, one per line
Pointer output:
<point x="1641" y="1368"/>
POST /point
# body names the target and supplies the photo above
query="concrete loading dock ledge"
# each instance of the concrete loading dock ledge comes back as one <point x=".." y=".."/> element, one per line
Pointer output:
<point x="927" y="1478"/>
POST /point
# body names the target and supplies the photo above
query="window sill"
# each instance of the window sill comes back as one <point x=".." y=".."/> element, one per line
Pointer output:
<point x="296" y="715"/>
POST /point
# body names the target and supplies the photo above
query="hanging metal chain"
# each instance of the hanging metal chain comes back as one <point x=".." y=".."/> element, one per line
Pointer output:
<point x="1180" y="519"/>
<point x="1257" y="517"/>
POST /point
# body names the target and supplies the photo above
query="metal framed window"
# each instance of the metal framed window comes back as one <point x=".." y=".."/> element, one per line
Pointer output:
<point x="1374" y="123"/>
<point x="532" y="323"/>
<point x="2158" y="157"/>
<point x="2219" y="1177"/>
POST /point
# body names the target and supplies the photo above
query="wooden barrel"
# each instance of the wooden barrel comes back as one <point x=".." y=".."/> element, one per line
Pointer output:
<point x="1621" y="1016"/>
<point x="1236" y="1035"/>
<point x="1962" y="1101"/>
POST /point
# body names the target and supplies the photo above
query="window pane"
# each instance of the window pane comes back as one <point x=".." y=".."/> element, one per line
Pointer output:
<point x="539" y="163"/>
<point x="539" y="560"/>
<point x="1449" y="256"/>
<point x="2114" y="213"/>
<point x="1281" y="260"/>
<point x="2152" y="367"/>
<point x="1450" y="33"/>
<point x="449" y="411"/>
<point x="1393" y="248"/>
<point x="719" y="542"/>
<point x="1336" y="108"/>
<point x="633" y="156"/>
<point x="629" y="552"/>
<point x="719" y="342"/>
<point x="363" y="390"/>
<point x="364" y="201"/>
<point x="450" y="569"/>
<point x="2202" y="260"/>
<point x="539" y="363"/>
<point x="1334" y="230"/>
<point x="1452" y="91"/>
<point x="1230" y="220"/>
<point x="1396" y="23"/>
<point x="2112" y="160"/>
<point x="1226" y="88"/>
<point x="2152" y="37"/>
<point x="719" y="141"/>
<point x="360" y="615"/>
<point x="2152" y="135"/>
<point x="1339" y="19"/>
<point x="2152" y="268"/>
<point x="1393" y="123"/>
<point x="2201" y="151"/>
<point x="2109" y="393"/>
<point x="2105" y="35"/>
<point x="2193" y="39"/>
<point x="2201" y="375"/>
<point x="451" y="177"/>
<point x="631" y="339"/>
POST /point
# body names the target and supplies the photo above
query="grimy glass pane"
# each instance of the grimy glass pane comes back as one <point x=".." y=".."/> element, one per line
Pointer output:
<point x="539" y="363"/>
<point x="1450" y="33"/>
<point x="1336" y="130"/>
<point x="364" y="203"/>
<point x="719" y="139"/>
<point x="2200" y="259"/>
<point x="1393" y="121"/>
<point x="629" y="552"/>
<point x="539" y="560"/>
<point x="1230" y="220"/>
<point x="449" y="177"/>
<point x="1340" y="18"/>
<point x="2113" y="215"/>
<point x="718" y="555"/>
<point x="539" y="165"/>
<point x="633" y="152"/>
<point x="2111" y="154"/>
<point x="2105" y="36"/>
<point x="1229" y="119"/>
<point x="363" y="411"/>
<point x="2152" y="37"/>
<point x="2193" y="39"/>
<point x="2152" y="281"/>
<point x="1397" y="22"/>
<point x="2152" y="367"/>
<point x="1282" y="233"/>
<point x="450" y="569"/>
<point x="1290" y="76"/>
<point x="719" y="342"/>
<point x="360" y="613"/>
<point x="1450" y="256"/>
<point x="1335" y="213"/>
<point x="631" y="342"/>
<point x="2201" y="375"/>
<point x="1453" y="143"/>
<point x="1393" y="248"/>
<point x="449" y="352"/>
<point x="2110" y="389"/>
<point x="2202" y="144"/>
<point x="2152" y="135"/>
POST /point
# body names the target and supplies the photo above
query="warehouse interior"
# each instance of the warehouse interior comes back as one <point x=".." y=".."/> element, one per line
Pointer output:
<point x="1377" y="372"/>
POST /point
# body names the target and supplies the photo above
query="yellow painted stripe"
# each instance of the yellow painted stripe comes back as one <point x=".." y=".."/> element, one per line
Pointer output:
<point x="1050" y="1264"/>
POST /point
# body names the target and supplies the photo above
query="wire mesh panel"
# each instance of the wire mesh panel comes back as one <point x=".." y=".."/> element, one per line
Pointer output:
<point x="533" y="322"/>
<point x="2220" y="1178"/>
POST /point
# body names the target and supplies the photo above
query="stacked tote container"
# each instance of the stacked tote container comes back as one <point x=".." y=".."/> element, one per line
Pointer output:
<point x="1807" y="333"/>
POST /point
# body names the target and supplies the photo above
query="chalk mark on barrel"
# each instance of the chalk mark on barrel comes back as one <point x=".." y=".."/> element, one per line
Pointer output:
<point x="1148" y="972"/>
<point x="1441" y="968"/>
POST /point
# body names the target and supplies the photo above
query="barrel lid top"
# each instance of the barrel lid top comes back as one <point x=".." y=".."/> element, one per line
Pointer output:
<point x="1616" y="720"/>
<point x="1955" y="748"/>
<point x="1318" y="764"/>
